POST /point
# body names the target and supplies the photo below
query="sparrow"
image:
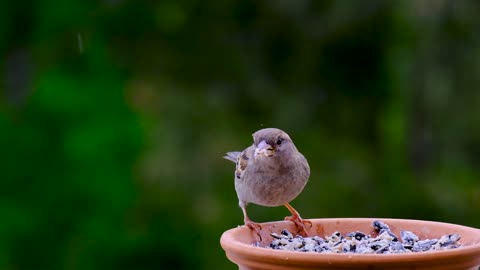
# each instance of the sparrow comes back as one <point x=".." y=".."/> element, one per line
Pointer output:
<point x="271" y="172"/>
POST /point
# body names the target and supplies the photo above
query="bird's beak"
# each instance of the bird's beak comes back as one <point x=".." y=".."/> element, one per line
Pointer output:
<point x="265" y="149"/>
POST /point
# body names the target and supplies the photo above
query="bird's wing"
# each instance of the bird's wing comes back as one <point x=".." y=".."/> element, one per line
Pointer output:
<point x="242" y="161"/>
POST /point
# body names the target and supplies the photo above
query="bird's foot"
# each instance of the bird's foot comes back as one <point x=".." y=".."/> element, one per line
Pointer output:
<point x="254" y="227"/>
<point x="300" y="223"/>
<point x="248" y="222"/>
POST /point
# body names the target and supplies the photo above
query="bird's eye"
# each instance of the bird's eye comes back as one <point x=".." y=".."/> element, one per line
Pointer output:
<point x="279" y="141"/>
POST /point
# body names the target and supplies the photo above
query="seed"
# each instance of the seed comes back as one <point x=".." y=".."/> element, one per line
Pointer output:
<point x="385" y="242"/>
<point x="378" y="225"/>
<point x="357" y="235"/>
<point x="424" y="245"/>
<point x="286" y="233"/>
<point x="408" y="238"/>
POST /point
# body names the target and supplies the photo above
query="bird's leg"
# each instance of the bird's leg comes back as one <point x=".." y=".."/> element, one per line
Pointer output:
<point x="299" y="222"/>
<point x="248" y="222"/>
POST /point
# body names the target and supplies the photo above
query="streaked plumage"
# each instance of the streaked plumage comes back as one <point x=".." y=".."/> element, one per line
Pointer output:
<point x="271" y="172"/>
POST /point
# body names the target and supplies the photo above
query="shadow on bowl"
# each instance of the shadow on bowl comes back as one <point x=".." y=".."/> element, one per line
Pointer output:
<point x="239" y="248"/>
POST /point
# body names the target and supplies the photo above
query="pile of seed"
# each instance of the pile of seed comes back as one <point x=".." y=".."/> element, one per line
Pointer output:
<point x="357" y="242"/>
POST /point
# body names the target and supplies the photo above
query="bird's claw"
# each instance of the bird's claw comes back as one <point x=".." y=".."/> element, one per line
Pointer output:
<point x="255" y="227"/>
<point x="300" y="224"/>
<point x="308" y="223"/>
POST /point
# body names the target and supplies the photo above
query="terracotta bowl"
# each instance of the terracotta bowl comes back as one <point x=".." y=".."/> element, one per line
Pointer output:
<point x="239" y="248"/>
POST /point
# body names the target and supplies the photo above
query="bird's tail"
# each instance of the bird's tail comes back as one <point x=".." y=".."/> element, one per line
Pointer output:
<point x="232" y="156"/>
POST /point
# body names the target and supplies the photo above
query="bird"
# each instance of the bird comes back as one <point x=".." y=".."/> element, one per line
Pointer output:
<point x="271" y="172"/>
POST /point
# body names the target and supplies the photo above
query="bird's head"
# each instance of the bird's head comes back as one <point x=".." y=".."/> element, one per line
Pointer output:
<point x="271" y="142"/>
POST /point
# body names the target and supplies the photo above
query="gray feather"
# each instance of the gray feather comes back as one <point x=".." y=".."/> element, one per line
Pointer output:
<point x="232" y="156"/>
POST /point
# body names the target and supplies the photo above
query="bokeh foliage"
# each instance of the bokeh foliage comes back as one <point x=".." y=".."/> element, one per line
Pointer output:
<point x="114" y="117"/>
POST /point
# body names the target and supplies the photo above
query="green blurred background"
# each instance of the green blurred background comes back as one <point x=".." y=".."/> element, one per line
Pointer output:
<point x="114" y="116"/>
